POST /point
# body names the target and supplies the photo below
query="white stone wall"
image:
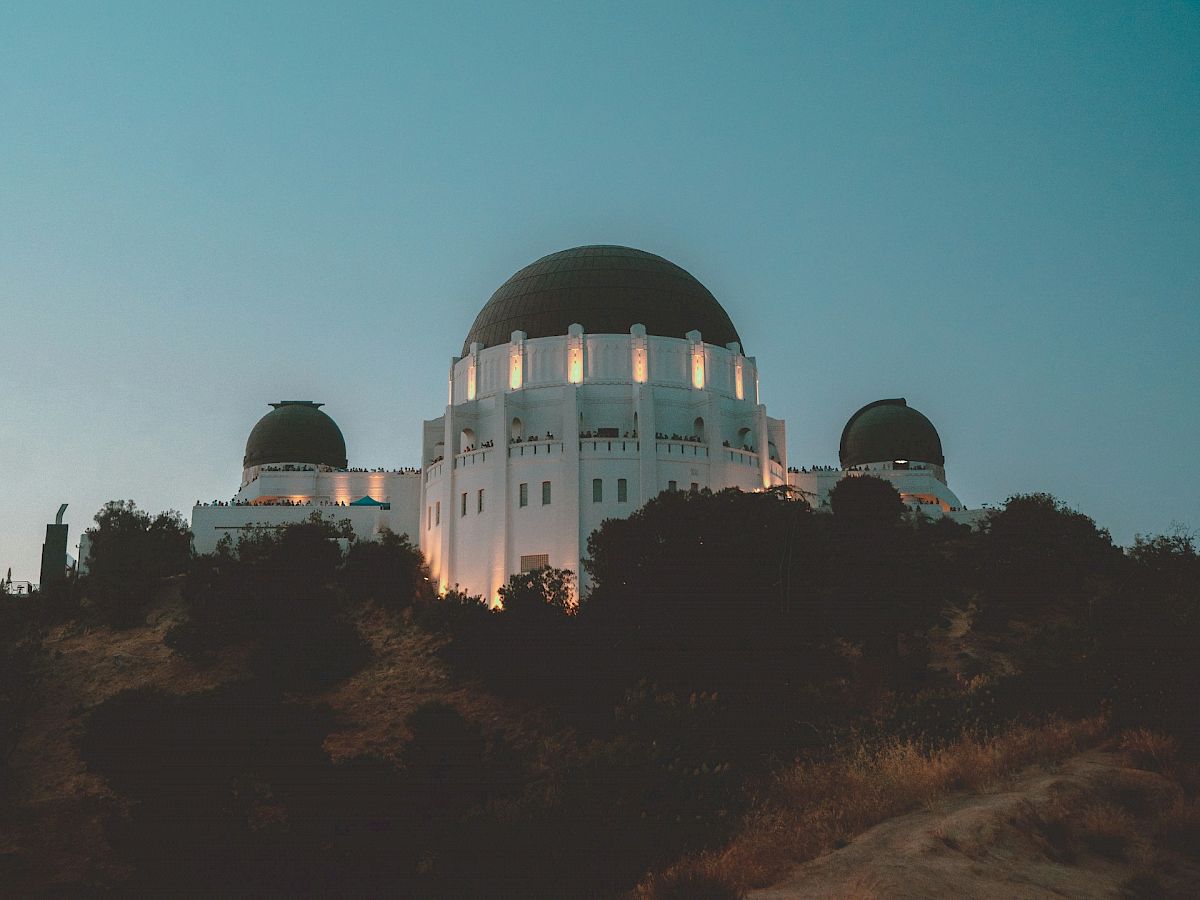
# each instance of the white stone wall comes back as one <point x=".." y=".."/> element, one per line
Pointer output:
<point x="568" y="385"/>
<point x="917" y="486"/>
<point x="324" y="490"/>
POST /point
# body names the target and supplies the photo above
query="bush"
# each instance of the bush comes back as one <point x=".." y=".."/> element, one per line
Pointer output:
<point x="131" y="555"/>
<point x="1150" y="750"/>
<point x="277" y="594"/>
<point x="389" y="571"/>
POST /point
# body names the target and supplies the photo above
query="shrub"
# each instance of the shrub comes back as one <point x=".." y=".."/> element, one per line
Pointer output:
<point x="1108" y="830"/>
<point x="688" y="884"/>
<point x="131" y="554"/>
<point x="1150" y="750"/>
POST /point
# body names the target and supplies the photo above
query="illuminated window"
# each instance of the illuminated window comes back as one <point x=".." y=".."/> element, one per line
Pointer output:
<point x="698" y="367"/>
<point x="515" y="370"/>
<point x="535" y="561"/>
<point x="480" y="501"/>
<point x="523" y="495"/>
<point x="597" y="490"/>
<point x="463" y="510"/>
<point x="545" y="493"/>
<point x="471" y="381"/>
<point x="575" y="365"/>
<point x="639" y="364"/>
<point x="739" y="388"/>
<point x="437" y="513"/>
<point x="622" y="490"/>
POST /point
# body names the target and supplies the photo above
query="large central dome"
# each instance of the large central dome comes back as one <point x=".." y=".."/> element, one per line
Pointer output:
<point x="606" y="289"/>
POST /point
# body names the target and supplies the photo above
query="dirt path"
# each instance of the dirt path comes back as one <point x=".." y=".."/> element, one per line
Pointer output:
<point x="1079" y="830"/>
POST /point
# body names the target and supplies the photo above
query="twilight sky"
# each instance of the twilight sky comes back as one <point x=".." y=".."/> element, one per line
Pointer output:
<point x="992" y="210"/>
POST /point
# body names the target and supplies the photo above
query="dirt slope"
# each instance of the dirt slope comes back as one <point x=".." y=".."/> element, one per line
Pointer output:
<point x="1081" y="830"/>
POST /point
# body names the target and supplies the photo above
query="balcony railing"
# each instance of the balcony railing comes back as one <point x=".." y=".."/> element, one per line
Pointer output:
<point x="535" y="448"/>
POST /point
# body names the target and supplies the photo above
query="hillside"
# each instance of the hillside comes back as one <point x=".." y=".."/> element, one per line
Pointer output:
<point x="1090" y="827"/>
<point x="752" y="697"/>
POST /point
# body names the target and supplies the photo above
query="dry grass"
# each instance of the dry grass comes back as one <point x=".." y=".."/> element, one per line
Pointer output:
<point x="1179" y="827"/>
<point x="1150" y="750"/>
<point x="688" y="883"/>
<point x="1108" y="830"/>
<point x="816" y="807"/>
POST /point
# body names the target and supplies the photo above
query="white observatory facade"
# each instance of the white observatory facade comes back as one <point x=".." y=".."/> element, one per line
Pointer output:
<point x="591" y="381"/>
<point x="620" y="377"/>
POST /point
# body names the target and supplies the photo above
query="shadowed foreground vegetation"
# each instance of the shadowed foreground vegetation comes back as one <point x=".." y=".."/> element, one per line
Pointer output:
<point x="747" y="684"/>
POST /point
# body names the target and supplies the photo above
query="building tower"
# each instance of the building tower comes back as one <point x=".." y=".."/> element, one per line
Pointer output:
<point x="593" y="379"/>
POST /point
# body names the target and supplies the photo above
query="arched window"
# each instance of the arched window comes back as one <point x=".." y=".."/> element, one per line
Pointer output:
<point x="698" y="429"/>
<point x="518" y="429"/>
<point x="466" y="440"/>
<point x="743" y="438"/>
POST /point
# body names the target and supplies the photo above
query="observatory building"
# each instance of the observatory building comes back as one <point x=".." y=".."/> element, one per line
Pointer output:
<point x="295" y="465"/>
<point x="592" y="380"/>
<point x="890" y="440"/>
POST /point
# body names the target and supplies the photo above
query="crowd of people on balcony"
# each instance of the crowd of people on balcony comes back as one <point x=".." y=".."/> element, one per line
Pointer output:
<point x="531" y="439"/>
<point x="471" y="448"/>
<point x="274" y="502"/>
<point x="291" y="467"/>
<point x="688" y="438"/>
<point x="745" y="447"/>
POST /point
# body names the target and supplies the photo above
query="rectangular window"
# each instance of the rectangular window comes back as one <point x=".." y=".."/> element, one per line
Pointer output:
<point x="672" y="485"/>
<point x="437" y="513"/>
<point x="622" y="490"/>
<point x="480" y="501"/>
<point x="545" y="493"/>
<point x="597" y="490"/>
<point x="523" y="495"/>
<point x="463" y="508"/>
<point x="695" y="486"/>
<point x="428" y="517"/>
<point x="535" y="561"/>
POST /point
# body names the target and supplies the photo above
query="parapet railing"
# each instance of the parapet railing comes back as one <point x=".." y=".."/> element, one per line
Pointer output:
<point x="742" y="457"/>
<point x="539" y="447"/>
<point x="610" y="445"/>
<point x="671" y="447"/>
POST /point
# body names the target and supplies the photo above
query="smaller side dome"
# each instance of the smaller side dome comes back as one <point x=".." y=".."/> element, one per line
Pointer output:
<point x="296" y="431"/>
<point x="889" y="430"/>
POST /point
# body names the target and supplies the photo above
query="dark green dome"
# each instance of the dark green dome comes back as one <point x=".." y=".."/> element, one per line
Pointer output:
<point x="888" y="430"/>
<point x="606" y="289"/>
<point x="296" y="431"/>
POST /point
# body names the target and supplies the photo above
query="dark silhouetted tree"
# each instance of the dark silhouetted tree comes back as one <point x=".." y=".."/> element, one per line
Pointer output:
<point x="867" y="500"/>
<point x="279" y="594"/>
<point x="131" y="554"/>
<point x="389" y="570"/>
<point x="1039" y="556"/>
<point x="544" y="591"/>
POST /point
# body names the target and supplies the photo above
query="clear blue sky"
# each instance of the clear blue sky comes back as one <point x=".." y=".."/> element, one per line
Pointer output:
<point x="990" y="209"/>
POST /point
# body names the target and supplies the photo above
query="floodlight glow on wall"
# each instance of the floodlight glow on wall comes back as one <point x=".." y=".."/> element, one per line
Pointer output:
<point x="698" y="367"/>
<point x="575" y="354"/>
<point x="516" y="369"/>
<point x="639" y="365"/>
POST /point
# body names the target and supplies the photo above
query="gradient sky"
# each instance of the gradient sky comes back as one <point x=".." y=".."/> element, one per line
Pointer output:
<point x="992" y="210"/>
